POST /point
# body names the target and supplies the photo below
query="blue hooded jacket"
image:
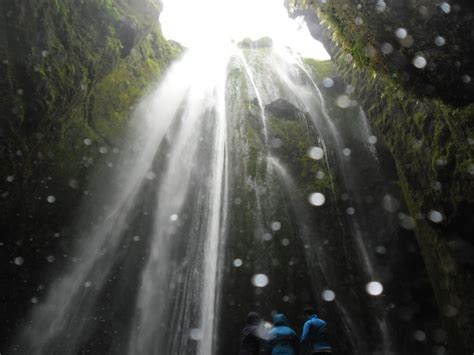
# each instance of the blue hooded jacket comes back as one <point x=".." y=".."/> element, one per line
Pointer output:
<point x="314" y="334"/>
<point x="283" y="339"/>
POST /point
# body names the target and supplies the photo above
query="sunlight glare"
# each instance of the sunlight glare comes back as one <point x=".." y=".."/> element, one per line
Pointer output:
<point x="212" y="22"/>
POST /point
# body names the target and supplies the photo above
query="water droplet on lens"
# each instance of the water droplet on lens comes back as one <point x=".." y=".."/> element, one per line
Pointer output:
<point x="317" y="199"/>
<point x="386" y="48"/>
<point x="87" y="284"/>
<point x="328" y="295"/>
<point x="328" y="83"/>
<point x="18" y="260"/>
<point x="238" y="262"/>
<point x="350" y="211"/>
<point x="445" y="7"/>
<point x="276" y="226"/>
<point x="316" y="153"/>
<point x="195" y="334"/>
<point x="260" y="280"/>
<point x="440" y="41"/>
<point x="419" y="335"/>
<point x="285" y="242"/>
<point x="346" y="151"/>
<point x="87" y="141"/>
<point x="267" y="237"/>
<point x="435" y="216"/>
<point x="401" y="33"/>
<point x="343" y="101"/>
<point x="419" y="62"/>
<point x="51" y="199"/>
<point x="374" y="288"/>
<point x="372" y="139"/>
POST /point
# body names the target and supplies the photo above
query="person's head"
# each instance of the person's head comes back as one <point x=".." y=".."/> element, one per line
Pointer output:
<point x="253" y="318"/>
<point x="308" y="311"/>
<point x="279" y="319"/>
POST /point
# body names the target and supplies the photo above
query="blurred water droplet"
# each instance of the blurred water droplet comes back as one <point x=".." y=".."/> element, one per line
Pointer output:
<point x="440" y="41"/>
<point x="386" y="48"/>
<point x="103" y="150"/>
<point x="435" y="216"/>
<point x="195" y="334"/>
<point x="372" y="139"/>
<point x="87" y="141"/>
<point x="350" y="211"/>
<point x="374" y="288"/>
<point x="419" y="62"/>
<point x="316" y="153"/>
<point x="328" y="83"/>
<point x="50" y="258"/>
<point x="401" y="33"/>
<point x="445" y="7"/>
<point x="18" y="260"/>
<point x="381" y="250"/>
<point x="51" y="199"/>
<point x="358" y="21"/>
<point x="328" y="295"/>
<point x="238" y="262"/>
<point x="87" y="284"/>
<point x="408" y="223"/>
<point x="267" y="237"/>
<point x="346" y="151"/>
<point x="260" y="280"/>
<point x="73" y="184"/>
<point x="276" y="226"/>
<point x="10" y="178"/>
<point x="390" y="203"/>
<point x="173" y="217"/>
<point x="285" y="242"/>
<point x="380" y="6"/>
<point x="34" y="300"/>
<point x="343" y="101"/>
<point x="317" y="199"/>
<point x="136" y="238"/>
<point x="450" y="311"/>
<point x="419" y="335"/>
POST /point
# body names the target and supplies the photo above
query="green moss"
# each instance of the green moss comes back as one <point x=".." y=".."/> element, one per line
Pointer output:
<point x="428" y="137"/>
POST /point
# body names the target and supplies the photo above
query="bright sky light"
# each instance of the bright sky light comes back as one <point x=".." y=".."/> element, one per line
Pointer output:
<point x="209" y="22"/>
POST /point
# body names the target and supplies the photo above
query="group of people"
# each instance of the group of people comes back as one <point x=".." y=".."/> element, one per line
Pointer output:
<point x="281" y="339"/>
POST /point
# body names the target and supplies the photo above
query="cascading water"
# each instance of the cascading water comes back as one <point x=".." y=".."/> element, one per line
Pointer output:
<point x="213" y="189"/>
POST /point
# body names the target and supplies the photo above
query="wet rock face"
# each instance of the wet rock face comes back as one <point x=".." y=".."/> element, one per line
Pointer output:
<point x="426" y="46"/>
<point x="71" y="73"/>
<point x="283" y="109"/>
<point x="423" y="111"/>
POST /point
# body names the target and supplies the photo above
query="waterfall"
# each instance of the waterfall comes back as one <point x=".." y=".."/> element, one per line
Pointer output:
<point x="207" y="176"/>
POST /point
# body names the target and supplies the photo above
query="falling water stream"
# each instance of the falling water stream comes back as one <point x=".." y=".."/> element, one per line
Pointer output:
<point x="204" y="178"/>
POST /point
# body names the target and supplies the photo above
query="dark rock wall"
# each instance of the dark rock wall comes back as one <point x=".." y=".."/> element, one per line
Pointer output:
<point x="426" y="118"/>
<point x="71" y="72"/>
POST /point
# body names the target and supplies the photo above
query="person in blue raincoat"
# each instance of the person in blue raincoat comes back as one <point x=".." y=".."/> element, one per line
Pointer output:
<point x="314" y="336"/>
<point x="283" y="340"/>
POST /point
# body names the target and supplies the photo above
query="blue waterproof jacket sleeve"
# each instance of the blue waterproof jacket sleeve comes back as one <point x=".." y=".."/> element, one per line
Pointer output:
<point x="305" y="335"/>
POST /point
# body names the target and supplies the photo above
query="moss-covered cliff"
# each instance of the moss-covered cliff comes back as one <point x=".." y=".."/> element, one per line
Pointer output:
<point x="416" y="110"/>
<point x="71" y="72"/>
